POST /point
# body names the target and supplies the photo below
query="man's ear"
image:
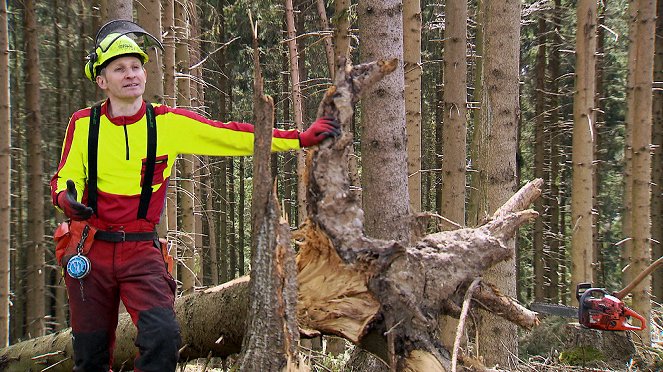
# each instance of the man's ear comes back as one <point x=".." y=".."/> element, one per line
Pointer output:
<point x="101" y="81"/>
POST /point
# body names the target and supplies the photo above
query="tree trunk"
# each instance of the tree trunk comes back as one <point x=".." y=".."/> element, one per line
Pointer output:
<point x="538" y="242"/>
<point x="341" y="21"/>
<point x="18" y="260"/>
<point x="222" y="189"/>
<point x="455" y="112"/>
<point x="36" y="280"/>
<point x="454" y="138"/>
<point x="5" y="178"/>
<point x="657" y="167"/>
<point x="170" y="98"/>
<point x="641" y="67"/>
<point x="583" y="145"/>
<point x="555" y="160"/>
<point x="232" y="241"/>
<point x="148" y="13"/>
<point x="499" y="130"/>
<point x="329" y="47"/>
<point x="241" y="207"/>
<point x="384" y="157"/>
<point x="187" y="274"/>
<point x="297" y="108"/>
<point x="272" y="331"/>
<point x="473" y="203"/>
<point x="118" y="9"/>
<point x="599" y="158"/>
<point x="412" y="66"/>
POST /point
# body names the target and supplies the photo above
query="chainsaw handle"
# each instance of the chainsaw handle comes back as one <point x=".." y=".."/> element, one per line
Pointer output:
<point x="633" y="314"/>
<point x="588" y="293"/>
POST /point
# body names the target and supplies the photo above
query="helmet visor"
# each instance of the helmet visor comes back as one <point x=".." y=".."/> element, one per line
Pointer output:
<point x="123" y="27"/>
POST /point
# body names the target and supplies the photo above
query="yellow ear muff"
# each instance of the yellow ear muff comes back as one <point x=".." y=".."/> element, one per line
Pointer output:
<point x="89" y="66"/>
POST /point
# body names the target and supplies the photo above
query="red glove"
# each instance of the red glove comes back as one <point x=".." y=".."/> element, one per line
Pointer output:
<point x="71" y="208"/>
<point x="322" y="128"/>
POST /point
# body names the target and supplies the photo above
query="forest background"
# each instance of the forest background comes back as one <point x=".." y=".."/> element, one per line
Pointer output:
<point x="588" y="120"/>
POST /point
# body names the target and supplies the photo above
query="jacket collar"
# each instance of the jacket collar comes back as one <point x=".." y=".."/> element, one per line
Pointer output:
<point x="123" y="120"/>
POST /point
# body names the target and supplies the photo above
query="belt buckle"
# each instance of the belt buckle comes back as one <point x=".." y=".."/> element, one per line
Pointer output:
<point x="124" y="235"/>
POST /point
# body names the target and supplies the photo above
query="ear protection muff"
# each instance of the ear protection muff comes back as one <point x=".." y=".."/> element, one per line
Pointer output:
<point x="89" y="66"/>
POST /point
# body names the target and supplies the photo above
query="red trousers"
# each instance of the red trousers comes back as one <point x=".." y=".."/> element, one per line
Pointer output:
<point x="135" y="273"/>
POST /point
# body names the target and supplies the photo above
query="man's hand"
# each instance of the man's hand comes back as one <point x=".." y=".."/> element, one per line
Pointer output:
<point x="322" y="128"/>
<point x="71" y="208"/>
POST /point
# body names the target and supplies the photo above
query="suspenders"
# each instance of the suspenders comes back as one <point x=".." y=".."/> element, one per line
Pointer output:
<point x="92" y="147"/>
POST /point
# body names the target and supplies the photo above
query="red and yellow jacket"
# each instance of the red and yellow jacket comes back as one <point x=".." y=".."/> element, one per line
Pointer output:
<point x="122" y="153"/>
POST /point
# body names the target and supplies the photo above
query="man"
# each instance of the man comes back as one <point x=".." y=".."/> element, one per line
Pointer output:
<point x="113" y="175"/>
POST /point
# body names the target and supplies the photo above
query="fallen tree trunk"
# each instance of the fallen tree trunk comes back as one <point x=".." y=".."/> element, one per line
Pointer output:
<point x="379" y="294"/>
<point x="213" y="321"/>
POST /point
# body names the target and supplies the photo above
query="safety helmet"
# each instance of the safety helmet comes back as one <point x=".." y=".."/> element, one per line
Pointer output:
<point x="112" y="41"/>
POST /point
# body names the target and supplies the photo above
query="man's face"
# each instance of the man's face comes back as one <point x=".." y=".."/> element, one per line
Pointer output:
<point x="123" y="79"/>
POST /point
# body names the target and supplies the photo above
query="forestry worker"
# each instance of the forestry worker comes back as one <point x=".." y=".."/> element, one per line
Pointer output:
<point x="111" y="183"/>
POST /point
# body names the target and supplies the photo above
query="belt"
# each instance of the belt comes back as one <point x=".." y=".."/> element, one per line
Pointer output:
<point x="121" y="236"/>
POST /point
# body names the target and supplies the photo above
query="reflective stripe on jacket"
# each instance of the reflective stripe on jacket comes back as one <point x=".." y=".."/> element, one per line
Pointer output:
<point x="122" y="152"/>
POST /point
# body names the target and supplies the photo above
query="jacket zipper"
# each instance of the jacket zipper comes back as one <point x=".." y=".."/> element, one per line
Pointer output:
<point x="126" y="141"/>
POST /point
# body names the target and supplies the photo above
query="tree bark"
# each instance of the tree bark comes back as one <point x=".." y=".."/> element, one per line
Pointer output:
<point x="454" y="134"/>
<point x="555" y="158"/>
<point x="412" y="66"/>
<point x="384" y="157"/>
<point x="118" y="9"/>
<point x="183" y="62"/>
<point x="148" y="13"/>
<point x="657" y="167"/>
<point x="297" y="108"/>
<point x="583" y="139"/>
<point x="540" y="145"/>
<point x="455" y="112"/>
<point x="641" y="68"/>
<point x="36" y="279"/>
<point x="5" y="176"/>
<point x="497" y="145"/>
<point x="169" y="40"/>
<point x="329" y="47"/>
<point x="272" y="331"/>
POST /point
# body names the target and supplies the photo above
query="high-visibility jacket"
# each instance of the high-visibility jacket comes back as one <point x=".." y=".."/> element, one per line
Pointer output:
<point x="122" y="151"/>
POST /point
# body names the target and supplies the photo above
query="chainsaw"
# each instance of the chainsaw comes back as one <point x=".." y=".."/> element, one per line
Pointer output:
<point x="597" y="309"/>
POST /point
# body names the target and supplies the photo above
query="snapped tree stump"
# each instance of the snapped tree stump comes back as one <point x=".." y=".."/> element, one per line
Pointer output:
<point x="381" y="295"/>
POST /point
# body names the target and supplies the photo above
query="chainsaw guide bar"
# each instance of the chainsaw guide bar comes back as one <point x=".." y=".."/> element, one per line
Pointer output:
<point x="555" y="309"/>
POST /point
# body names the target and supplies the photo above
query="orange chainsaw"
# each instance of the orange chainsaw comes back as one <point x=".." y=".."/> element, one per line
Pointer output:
<point x="599" y="309"/>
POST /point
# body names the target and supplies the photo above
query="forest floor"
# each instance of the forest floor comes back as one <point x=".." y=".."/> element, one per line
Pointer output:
<point x="541" y="350"/>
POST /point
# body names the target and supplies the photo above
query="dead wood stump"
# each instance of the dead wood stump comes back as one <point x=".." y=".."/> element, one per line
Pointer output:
<point x="592" y="347"/>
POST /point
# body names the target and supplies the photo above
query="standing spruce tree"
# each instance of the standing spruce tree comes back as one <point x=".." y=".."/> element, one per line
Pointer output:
<point x="454" y="134"/>
<point x="36" y="310"/>
<point x="583" y="144"/>
<point x="5" y="184"/>
<point x="641" y="69"/>
<point x="183" y="61"/>
<point x="497" y="149"/>
<point x="117" y="9"/>
<point x="148" y="13"/>
<point x="383" y="149"/>
<point x="412" y="66"/>
<point x="540" y="144"/>
<point x="657" y="166"/>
